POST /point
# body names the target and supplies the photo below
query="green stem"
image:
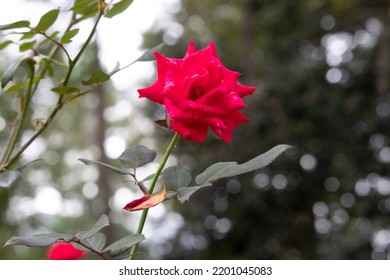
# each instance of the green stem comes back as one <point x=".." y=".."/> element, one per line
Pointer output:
<point x="15" y="131"/>
<point x="144" y="215"/>
<point x="25" y="102"/>
<point x="54" y="51"/>
<point x="58" y="44"/>
<point x="59" y="102"/>
<point x="85" y="45"/>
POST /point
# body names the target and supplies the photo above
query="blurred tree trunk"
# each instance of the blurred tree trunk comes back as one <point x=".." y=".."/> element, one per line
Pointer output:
<point x="383" y="61"/>
<point x="105" y="176"/>
<point x="247" y="39"/>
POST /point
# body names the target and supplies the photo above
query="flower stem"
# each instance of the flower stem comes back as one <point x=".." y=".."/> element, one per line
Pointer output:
<point x="144" y="215"/>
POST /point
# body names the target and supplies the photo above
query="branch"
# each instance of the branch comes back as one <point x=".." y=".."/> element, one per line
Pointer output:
<point x="140" y="184"/>
<point x="24" y="104"/>
<point x="61" y="46"/>
<point x="60" y="102"/>
<point x="78" y="241"/>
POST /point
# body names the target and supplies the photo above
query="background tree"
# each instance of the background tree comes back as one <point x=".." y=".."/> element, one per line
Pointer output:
<point x="55" y="194"/>
<point x="321" y="69"/>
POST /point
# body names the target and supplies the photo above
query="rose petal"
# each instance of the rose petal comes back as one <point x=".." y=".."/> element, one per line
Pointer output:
<point x="167" y="71"/>
<point x="212" y="50"/>
<point x="245" y="90"/>
<point x="227" y="102"/>
<point x="191" y="131"/>
<point x="147" y="201"/>
<point x="199" y="93"/>
<point x="231" y="123"/>
<point x="204" y="110"/>
<point x="152" y="93"/>
<point x="191" y="48"/>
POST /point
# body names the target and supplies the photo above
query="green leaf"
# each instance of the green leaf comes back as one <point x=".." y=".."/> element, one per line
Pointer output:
<point x="183" y="194"/>
<point x="81" y="5"/>
<point x="65" y="90"/>
<point x="118" y="8"/>
<point x="17" y="87"/>
<point x="146" y="56"/>
<point x="137" y="156"/>
<point x="215" y="172"/>
<point x="28" y="35"/>
<point x="101" y="223"/>
<point x="84" y="7"/>
<point x="113" y="168"/>
<point x="123" y="244"/>
<point x="228" y="169"/>
<point x="149" y="54"/>
<point x="47" y="239"/>
<point x="67" y="38"/>
<point x="47" y="64"/>
<point x="8" y="177"/>
<point x="5" y="44"/>
<point x="81" y="247"/>
<point x="170" y="194"/>
<point x="148" y="178"/>
<point x="39" y="240"/>
<point x="175" y="177"/>
<point x="17" y="24"/>
<point x="27" y="46"/>
<point x="53" y="36"/>
<point x="98" y="241"/>
<point x="116" y="69"/>
<point x="97" y="77"/>
<point x="25" y="164"/>
<point x="10" y="72"/>
<point x="47" y="20"/>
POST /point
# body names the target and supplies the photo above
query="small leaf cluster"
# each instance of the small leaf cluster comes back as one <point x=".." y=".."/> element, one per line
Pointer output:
<point x="91" y="240"/>
<point x="35" y="38"/>
<point x="44" y="48"/>
<point x="177" y="180"/>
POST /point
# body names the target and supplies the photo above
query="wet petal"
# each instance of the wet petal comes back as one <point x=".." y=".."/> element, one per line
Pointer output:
<point x="222" y="99"/>
<point x="191" y="48"/>
<point x="231" y="123"/>
<point x="194" y="131"/>
<point x="205" y="109"/>
<point x="245" y="90"/>
<point x="199" y="93"/>
<point x="153" y="93"/>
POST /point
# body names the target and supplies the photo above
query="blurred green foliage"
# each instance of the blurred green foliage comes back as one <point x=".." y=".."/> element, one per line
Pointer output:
<point x="321" y="69"/>
<point x="51" y="195"/>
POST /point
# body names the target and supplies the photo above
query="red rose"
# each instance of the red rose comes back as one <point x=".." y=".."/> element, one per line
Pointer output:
<point x="64" y="251"/>
<point x="198" y="92"/>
